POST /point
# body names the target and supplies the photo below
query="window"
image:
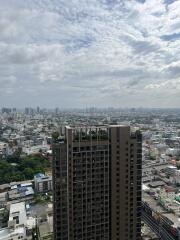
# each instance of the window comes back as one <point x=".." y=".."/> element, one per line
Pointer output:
<point x="16" y="219"/>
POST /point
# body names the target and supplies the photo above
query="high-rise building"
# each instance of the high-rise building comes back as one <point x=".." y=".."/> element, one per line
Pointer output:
<point x="38" y="110"/>
<point x="97" y="184"/>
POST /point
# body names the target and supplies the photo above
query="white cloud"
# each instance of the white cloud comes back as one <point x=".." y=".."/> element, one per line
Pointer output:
<point x="64" y="52"/>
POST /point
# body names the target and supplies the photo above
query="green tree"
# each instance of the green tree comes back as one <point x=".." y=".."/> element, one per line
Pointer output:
<point x="28" y="173"/>
<point x="25" y="168"/>
<point x="55" y="136"/>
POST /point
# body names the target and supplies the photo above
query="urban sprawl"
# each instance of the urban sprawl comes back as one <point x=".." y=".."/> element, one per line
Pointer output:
<point x="26" y="187"/>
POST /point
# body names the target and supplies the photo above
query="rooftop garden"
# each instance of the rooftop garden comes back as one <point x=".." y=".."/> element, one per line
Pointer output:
<point x="97" y="134"/>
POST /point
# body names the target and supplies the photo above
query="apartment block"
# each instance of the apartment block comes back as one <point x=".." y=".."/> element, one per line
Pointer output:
<point x="97" y="184"/>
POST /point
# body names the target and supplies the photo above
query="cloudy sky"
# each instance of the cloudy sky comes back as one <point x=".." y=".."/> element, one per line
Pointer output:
<point x="82" y="53"/>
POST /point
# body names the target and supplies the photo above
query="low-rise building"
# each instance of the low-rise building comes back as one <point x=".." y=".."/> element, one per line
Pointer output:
<point x="3" y="217"/>
<point x="16" y="234"/>
<point x="4" y="187"/>
<point x="3" y="199"/>
<point x="42" y="183"/>
<point x="170" y="170"/>
<point x="21" y="191"/>
<point x="16" y="225"/>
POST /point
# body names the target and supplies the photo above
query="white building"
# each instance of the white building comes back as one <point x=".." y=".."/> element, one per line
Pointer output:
<point x="15" y="234"/>
<point x="176" y="177"/>
<point x="170" y="170"/>
<point x="16" y="225"/>
<point x="17" y="214"/>
<point x="172" y="151"/>
<point x="42" y="183"/>
<point x="167" y="194"/>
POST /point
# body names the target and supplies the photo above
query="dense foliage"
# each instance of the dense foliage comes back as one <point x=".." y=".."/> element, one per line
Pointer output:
<point x="21" y="168"/>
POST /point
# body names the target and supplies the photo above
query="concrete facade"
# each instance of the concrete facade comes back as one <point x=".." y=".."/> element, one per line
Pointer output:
<point x="97" y="184"/>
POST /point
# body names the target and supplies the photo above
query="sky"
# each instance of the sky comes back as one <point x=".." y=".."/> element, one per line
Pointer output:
<point x="84" y="53"/>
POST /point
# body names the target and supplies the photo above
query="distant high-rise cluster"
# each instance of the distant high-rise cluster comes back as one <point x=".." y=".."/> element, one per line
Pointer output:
<point x="97" y="184"/>
<point x="8" y="110"/>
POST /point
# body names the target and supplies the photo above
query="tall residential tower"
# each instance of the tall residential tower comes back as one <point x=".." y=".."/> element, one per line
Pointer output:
<point x="97" y="184"/>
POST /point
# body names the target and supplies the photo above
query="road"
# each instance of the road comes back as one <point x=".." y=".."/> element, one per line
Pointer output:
<point x="159" y="230"/>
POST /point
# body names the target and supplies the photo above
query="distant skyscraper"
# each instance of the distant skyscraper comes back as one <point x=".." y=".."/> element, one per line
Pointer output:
<point x="38" y="109"/>
<point x="56" y="110"/>
<point x="6" y="110"/>
<point x="97" y="184"/>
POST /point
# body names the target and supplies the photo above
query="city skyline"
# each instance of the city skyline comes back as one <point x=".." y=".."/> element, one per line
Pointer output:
<point x="90" y="53"/>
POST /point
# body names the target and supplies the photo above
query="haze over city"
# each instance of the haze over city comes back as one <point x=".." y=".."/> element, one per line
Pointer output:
<point x="89" y="119"/>
<point x="90" y="53"/>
